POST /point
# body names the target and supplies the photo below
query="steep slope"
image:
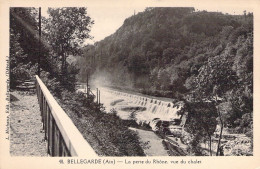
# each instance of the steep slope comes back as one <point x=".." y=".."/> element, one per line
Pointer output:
<point x="179" y="53"/>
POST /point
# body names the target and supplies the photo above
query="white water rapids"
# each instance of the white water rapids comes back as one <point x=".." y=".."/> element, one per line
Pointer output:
<point x="143" y="109"/>
<point x="126" y="103"/>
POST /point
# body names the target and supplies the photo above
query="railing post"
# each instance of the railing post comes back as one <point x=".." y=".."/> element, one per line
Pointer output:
<point x="56" y="140"/>
<point x="50" y="136"/>
<point x="63" y="138"/>
<point x="47" y="122"/>
<point x="43" y="113"/>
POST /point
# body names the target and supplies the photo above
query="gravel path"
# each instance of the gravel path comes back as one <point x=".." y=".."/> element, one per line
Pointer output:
<point x="26" y="134"/>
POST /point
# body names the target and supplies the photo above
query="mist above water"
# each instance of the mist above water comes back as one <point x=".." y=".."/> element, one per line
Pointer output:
<point x="119" y="79"/>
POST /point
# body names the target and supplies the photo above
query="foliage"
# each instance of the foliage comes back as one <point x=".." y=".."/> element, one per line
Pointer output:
<point x="22" y="45"/>
<point x="174" y="52"/>
<point x="75" y="26"/>
<point x="198" y="56"/>
<point x="189" y="39"/>
<point x="23" y="25"/>
<point x="182" y="54"/>
<point x="106" y="132"/>
<point x="201" y="122"/>
<point x="16" y="56"/>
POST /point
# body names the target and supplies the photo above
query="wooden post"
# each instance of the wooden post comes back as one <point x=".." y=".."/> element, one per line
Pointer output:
<point x="97" y="95"/>
<point x="99" y="98"/>
<point x="39" y="55"/>
<point x="87" y="86"/>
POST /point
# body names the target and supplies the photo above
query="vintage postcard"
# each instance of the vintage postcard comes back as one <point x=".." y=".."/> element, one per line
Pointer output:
<point x="129" y="84"/>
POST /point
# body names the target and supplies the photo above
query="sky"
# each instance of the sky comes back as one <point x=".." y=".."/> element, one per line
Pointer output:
<point x="108" y="18"/>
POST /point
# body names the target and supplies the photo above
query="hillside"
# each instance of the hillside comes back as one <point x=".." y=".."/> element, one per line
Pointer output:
<point x="182" y="54"/>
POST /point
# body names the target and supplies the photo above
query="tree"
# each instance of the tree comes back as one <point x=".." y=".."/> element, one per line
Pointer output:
<point x="215" y="79"/>
<point x="23" y="44"/>
<point x="179" y="39"/>
<point x="228" y="76"/>
<point x="66" y="29"/>
<point x="23" y="23"/>
<point x="201" y="122"/>
<point x="17" y="55"/>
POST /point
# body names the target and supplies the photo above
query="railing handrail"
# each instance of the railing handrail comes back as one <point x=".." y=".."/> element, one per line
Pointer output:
<point x="73" y="139"/>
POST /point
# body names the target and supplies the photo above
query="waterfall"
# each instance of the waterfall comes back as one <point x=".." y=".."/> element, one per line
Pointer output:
<point x="155" y="108"/>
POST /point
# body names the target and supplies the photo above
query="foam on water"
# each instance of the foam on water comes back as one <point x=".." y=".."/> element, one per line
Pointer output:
<point x="155" y="108"/>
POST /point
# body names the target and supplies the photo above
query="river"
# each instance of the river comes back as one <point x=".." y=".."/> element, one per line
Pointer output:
<point x="141" y="107"/>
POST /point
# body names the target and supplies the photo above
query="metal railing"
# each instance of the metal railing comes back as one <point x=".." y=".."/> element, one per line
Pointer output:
<point x="63" y="138"/>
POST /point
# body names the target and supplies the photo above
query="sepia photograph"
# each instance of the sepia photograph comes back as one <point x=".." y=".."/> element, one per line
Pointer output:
<point x="151" y="81"/>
